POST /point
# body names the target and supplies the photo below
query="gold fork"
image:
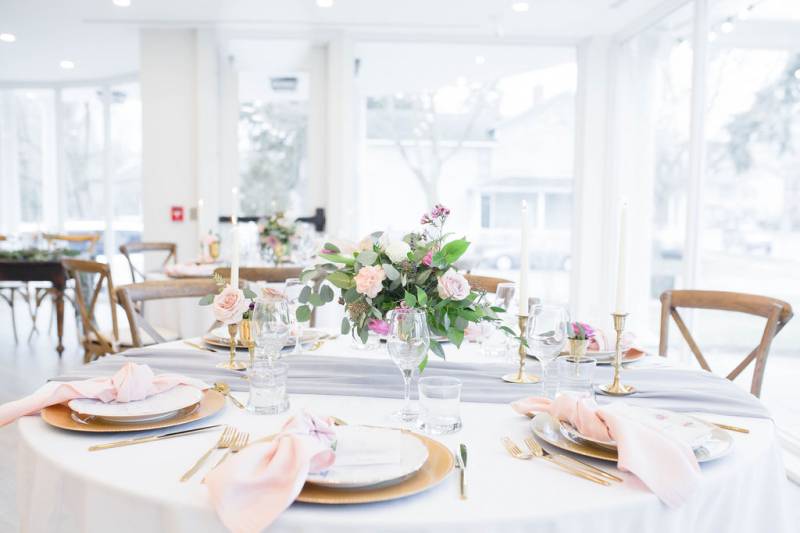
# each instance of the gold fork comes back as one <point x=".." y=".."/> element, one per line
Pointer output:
<point x="239" y="442"/>
<point x="225" y="440"/>
<point x="515" y="451"/>
<point x="537" y="450"/>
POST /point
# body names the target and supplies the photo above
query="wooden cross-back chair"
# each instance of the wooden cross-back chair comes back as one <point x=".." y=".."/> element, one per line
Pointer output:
<point x="88" y="240"/>
<point x="777" y="312"/>
<point x="95" y="343"/>
<point x="485" y="283"/>
<point x="170" y="248"/>
<point x="131" y="296"/>
<point x="265" y="274"/>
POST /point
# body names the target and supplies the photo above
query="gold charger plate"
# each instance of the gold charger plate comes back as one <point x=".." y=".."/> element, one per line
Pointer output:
<point x="439" y="464"/>
<point x="220" y="342"/>
<point x="60" y="416"/>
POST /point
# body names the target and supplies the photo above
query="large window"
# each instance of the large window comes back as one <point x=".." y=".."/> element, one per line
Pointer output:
<point x="478" y="128"/>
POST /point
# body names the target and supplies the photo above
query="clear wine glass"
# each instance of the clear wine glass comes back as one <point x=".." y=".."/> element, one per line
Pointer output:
<point x="547" y="334"/>
<point x="407" y="343"/>
<point x="504" y="295"/>
<point x="292" y="289"/>
<point x="271" y="327"/>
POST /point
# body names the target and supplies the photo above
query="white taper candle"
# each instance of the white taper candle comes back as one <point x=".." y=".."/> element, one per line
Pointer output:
<point x="622" y="258"/>
<point x="523" y="261"/>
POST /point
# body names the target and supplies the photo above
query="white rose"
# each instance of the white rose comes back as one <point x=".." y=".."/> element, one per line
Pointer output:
<point x="397" y="251"/>
<point x="453" y="285"/>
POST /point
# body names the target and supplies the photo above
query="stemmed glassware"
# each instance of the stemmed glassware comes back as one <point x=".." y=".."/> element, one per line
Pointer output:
<point x="407" y="343"/>
<point x="547" y="334"/>
<point x="292" y="288"/>
<point x="271" y="327"/>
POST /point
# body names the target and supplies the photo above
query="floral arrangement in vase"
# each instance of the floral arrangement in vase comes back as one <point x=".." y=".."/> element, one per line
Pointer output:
<point x="383" y="274"/>
<point x="209" y="247"/>
<point x="231" y="304"/>
<point x="579" y="335"/>
<point x="275" y="234"/>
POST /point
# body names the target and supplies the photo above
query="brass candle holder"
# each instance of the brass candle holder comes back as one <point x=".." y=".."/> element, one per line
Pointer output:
<point x="616" y="388"/>
<point x="246" y="334"/>
<point x="520" y="376"/>
<point x="232" y="364"/>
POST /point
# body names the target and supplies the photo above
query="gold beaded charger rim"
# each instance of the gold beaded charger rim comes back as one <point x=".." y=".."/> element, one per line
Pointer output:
<point x="527" y="379"/>
<point x="627" y="390"/>
<point x="218" y="341"/>
<point x="60" y="416"/>
<point x="438" y="466"/>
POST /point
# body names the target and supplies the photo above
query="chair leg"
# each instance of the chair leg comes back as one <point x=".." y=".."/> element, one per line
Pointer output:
<point x="13" y="316"/>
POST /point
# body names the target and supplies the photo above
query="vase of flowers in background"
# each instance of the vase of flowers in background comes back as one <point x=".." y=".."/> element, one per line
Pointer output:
<point x="579" y="335"/>
<point x="209" y="245"/>
<point x="576" y="371"/>
<point x="384" y="274"/>
<point x="275" y="235"/>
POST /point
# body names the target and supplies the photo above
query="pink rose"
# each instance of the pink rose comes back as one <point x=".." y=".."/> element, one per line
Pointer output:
<point x="453" y="285"/>
<point x="369" y="280"/>
<point x="268" y="294"/>
<point x="381" y="327"/>
<point x="428" y="259"/>
<point x="229" y="305"/>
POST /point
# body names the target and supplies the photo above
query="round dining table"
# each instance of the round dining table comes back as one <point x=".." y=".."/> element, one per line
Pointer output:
<point x="64" y="488"/>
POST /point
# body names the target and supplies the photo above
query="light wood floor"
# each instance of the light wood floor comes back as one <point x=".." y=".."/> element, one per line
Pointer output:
<point x="25" y="366"/>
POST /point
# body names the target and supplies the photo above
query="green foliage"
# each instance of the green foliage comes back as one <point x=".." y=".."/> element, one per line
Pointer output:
<point x="208" y="299"/>
<point x="303" y="313"/>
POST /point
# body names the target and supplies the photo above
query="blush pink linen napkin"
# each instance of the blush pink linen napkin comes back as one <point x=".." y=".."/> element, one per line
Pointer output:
<point x="601" y="342"/>
<point x="666" y="465"/>
<point x="253" y="487"/>
<point x="131" y="382"/>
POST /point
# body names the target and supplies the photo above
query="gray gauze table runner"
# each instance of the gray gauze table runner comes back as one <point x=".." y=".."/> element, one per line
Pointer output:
<point x="665" y="388"/>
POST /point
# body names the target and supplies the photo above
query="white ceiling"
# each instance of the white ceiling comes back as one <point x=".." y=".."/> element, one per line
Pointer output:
<point x="102" y="39"/>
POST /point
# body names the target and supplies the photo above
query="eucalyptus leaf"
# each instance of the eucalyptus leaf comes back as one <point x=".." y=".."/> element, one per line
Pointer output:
<point x="391" y="271"/>
<point x="303" y="313"/>
<point x="367" y="257"/>
<point x="249" y="294"/>
<point x="423" y="364"/>
<point x="336" y="258"/>
<point x="341" y="280"/>
<point x="461" y="323"/>
<point x="304" y="294"/>
<point x="363" y="334"/>
<point x="208" y="299"/>
<point x="437" y="349"/>
<point x="422" y="298"/>
<point x="423" y="276"/>
<point x="351" y="295"/>
<point x="456" y="336"/>
<point x="345" y="326"/>
<point x="315" y="300"/>
<point x="410" y="299"/>
<point x="326" y="294"/>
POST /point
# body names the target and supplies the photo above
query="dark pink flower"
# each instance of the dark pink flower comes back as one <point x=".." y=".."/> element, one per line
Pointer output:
<point x="428" y="259"/>
<point x="381" y="327"/>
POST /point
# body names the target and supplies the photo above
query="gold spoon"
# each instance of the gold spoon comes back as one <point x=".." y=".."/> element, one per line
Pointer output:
<point x="225" y="389"/>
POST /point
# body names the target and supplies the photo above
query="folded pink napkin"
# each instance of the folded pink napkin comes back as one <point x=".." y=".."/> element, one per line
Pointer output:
<point x="254" y="486"/>
<point x="191" y="270"/>
<point x="131" y="382"/>
<point x="665" y="464"/>
<point x="600" y="342"/>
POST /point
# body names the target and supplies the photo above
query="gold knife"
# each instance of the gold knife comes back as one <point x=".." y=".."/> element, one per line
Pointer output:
<point x="462" y="459"/>
<point x="199" y="347"/>
<point x="153" y="438"/>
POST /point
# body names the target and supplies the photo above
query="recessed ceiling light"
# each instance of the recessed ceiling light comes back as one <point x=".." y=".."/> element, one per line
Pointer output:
<point x="520" y="7"/>
<point x="325" y="3"/>
<point x="480" y="60"/>
<point x="121" y="3"/>
<point x="67" y="64"/>
<point x="8" y="37"/>
<point x="727" y="26"/>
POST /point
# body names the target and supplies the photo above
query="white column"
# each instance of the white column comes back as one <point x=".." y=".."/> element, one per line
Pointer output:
<point x="591" y="282"/>
<point x="317" y="129"/>
<point x="697" y="144"/>
<point x="342" y="187"/>
<point x="168" y="66"/>
<point x="209" y="140"/>
<point x="228" y="140"/>
<point x="9" y="177"/>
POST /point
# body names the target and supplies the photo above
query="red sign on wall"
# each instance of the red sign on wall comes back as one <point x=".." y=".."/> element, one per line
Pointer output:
<point x="176" y="211"/>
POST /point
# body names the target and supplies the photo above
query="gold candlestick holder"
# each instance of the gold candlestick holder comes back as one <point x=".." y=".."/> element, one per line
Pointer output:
<point x="520" y="376"/>
<point x="232" y="364"/>
<point x="616" y="388"/>
<point x="246" y="334"/>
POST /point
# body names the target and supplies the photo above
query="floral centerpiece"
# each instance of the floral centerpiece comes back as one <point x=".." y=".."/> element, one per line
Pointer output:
<point x="231" y="304"/>
<point x="579" y="335"/>
<point x="275" y="234"/>
<point x="383" y="274"/>
<point x="209" y="245"/>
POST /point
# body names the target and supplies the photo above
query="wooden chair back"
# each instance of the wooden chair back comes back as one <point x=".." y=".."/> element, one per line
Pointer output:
<point x="88" y="239"/>
<point x="131" y="296"/>
<point x="266" y="274"/>
<point x="95" y="343"/>
<point x="776" y="312"/>
<point x="170" y="248"/>
<point x="485" y="283"/>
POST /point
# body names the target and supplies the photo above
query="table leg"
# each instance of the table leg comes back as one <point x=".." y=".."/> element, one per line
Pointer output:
<point x="58" y="299"/>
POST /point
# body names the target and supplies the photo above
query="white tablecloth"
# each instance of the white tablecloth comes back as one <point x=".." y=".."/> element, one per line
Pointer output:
<point x="64" y="488"/>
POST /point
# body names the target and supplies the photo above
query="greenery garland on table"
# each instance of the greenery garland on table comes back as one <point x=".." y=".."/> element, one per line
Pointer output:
<point x="37" y="255"/>
<point x="384" y="274"/>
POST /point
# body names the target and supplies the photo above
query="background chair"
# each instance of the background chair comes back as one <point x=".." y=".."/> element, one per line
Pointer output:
<point x="265" y="274"/>
<point x="147" y="247"/>
<point x="485" y="283"/>
<point x="777" y="312"/>
<point x="131" y="296"/>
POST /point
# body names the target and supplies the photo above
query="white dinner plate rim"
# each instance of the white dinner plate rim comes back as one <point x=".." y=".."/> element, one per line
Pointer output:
<point x="85" y="406"/>
<point x="367" y="480"/>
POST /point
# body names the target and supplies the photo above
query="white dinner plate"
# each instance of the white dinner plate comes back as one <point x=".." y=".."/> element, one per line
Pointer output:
<point x="369" y="457"/>
<point x="156" y="407"/>
<point x="718" y="442"/>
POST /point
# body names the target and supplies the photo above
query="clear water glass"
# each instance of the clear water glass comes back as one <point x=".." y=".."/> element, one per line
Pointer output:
<point x="268" y="394"/>
<point x="407" y="343"/>
<point x="576" y="376"/>
<point x="505" y="295"/>
<point x="272" y="325"/>
<point x="439" y="405"/>
<point x="547" y="334"/>
<point x="292" y="289"/>
<point x="496" y="344"/>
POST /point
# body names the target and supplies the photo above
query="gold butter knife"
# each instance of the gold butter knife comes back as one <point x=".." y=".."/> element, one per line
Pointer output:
<point x="199" y="346"/>
<point x="153" y="438"/>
